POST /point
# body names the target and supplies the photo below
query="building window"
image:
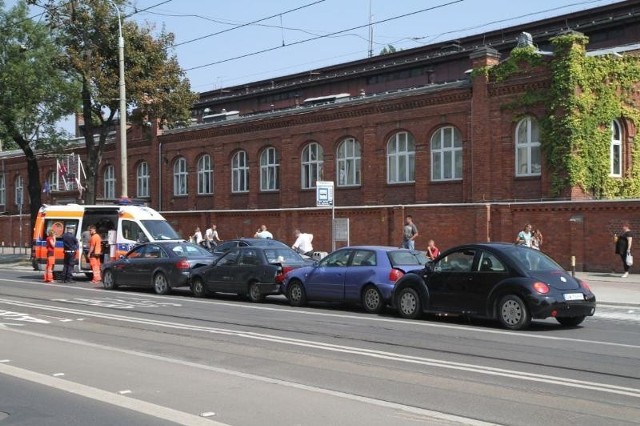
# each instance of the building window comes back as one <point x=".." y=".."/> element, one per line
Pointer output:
<point x="205" y="175"/>
<point x="349" y="163"/>
<point x="528" y="148"/>
<point x="446" y="154"/>
<point x="269" y="170"/>
<point x="142" y="180"/>
<point x="51" y="184"/>
<point x="312" y="161"/>
<point x="109" y="183"/>
<point x="401" y="158"/>
<point x="180" y="175"/>
<point x="19" y="188"/>
<point x="3" y="190"/>
<point x="616" y="149"/>
<point x="239" y="172"/>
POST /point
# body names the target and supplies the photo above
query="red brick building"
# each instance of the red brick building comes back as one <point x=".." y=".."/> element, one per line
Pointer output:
<point x="413" y="132"/>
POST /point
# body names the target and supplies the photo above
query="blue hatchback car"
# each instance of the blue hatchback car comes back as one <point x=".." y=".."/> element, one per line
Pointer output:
<point x="357" y="274"/>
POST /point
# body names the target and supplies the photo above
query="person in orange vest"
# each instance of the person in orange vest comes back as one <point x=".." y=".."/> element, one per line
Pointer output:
<point x="50" y="245"/>
<point x="95" y="252"/>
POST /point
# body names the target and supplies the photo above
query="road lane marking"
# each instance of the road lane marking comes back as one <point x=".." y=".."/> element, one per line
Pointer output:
<point x="137" y="405"/>
<point x="390" y="356"/>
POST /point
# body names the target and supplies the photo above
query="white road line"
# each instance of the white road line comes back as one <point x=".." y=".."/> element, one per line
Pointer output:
<point x="391" y="356"/>
<point x="139" y="406"/>
<point x="370" y="318"/>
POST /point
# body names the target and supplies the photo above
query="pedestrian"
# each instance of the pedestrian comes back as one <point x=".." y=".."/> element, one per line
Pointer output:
<point x="263" y="233"/>
<point x="536" y="239"/>
<point x="623" y="248"/>
<point x="524" y="236"/>
<point x="409" y="233"/>
<point x="70" y="245"/>
<point x="85" y="237"/>
<point x="50" y="246"/>
<point x="95" y="253"/>
<point x="432" y="250"/>
<point x="211" y="237"/>
<point x="197" y="236"/>
<point x="303" y="243"/>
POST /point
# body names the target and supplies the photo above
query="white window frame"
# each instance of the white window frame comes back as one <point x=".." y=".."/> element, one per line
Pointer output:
<point x="109" y="182"/>
<point x="446" y="154"/>
<point x="525" y="149"/>
<point x="180" y="177"/>
<point x="52" y="180"/>
<point x="615" y="149"/>
<point x="401" y="158"/>
<point x="311" y="165"/>
<point x="205" y="175"/>
<point x="269" y="170"/>
<point x="3" y="189"/>
<point x="143" y="177"/>
<point x="349" y="170"/>
<point x="19" y="191"/>
<point x="240" y="172"/>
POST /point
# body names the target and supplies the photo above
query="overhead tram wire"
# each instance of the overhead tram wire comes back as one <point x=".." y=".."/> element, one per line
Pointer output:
<point x="323" y="36"/>
<point x="136" y="10"/>
<point x="248" y="23"/>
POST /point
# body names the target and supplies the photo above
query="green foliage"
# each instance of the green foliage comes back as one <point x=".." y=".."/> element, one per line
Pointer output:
<point x="521" y="58"/>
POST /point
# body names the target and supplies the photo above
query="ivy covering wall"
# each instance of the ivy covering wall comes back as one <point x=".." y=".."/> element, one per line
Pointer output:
<point x="585" y="95"/>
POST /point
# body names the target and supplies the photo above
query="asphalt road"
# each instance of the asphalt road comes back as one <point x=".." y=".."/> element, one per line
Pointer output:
<point x="131" y="357"/>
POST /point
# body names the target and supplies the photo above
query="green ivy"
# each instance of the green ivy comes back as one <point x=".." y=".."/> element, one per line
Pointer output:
<point x="585" y="95"/>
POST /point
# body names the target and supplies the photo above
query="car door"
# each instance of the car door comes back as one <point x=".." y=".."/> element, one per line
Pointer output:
<point x="129" y="271"/>
<point x="326" y="281"/>
<point x="361" y="270"/>
<point x="489" y="271"/>
<point x="220" y="276"/>
<point x="250" y="266"/>
<point x="154" y="257"/>
<point x="449" y="280"/>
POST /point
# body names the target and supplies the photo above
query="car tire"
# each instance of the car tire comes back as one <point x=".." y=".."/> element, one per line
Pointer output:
<point x="372" y="300"/>
<point x="108" y="280"/>
<point x="409" y="304"/>
<point x="570" y="321"/>
<point x="296" y="293"/>
<point x="161" y="284"/>
<point x="253" y="293"/>
<point x="513" y="313"/>
<point x="198" y="288"/>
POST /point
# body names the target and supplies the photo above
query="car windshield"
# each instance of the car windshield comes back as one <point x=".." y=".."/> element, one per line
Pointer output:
<point x="407" y="257"/>
<point x="189" y="250"/>
<point x="285" y="254"/>
<point x="160" y="230"/>
<point x="531" y="259"/>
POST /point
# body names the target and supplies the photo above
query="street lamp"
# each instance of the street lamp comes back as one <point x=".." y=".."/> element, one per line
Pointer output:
<point x="123" y="109"/>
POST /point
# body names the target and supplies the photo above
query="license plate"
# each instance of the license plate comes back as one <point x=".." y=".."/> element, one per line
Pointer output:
<point x="573" y="296"/>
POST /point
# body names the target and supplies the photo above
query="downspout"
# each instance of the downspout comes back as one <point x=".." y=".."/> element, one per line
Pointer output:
<point x="159" y="176"/>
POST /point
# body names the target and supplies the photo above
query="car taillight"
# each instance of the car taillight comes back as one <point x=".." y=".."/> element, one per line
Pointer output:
<point x="282" y="272"/>
<point x="183" y="264"/>
<point x="395" y="275"/>
<point x="585" y="285"/>
<point x="541" y="288"/>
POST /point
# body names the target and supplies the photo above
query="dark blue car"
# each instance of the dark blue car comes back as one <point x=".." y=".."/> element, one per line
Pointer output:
<point x="358" y="274"/>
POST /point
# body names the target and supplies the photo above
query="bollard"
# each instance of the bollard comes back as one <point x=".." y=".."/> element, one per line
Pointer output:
<point x="573" y="266"/>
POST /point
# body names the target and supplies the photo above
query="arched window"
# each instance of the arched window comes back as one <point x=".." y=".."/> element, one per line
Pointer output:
<point x="446" y="154"/>
<point x="109" y="181"/>
<point x="3" y="190"/>
<point x="401" y="158"/>
<point x="239" y="172"/>
<point x="616" y="149"/>
<point x="19" y="191"/>
<point x="349" y="163"/>
<point x="142" y="180"/>
<point x="528" y="148"/>
<point x="312" y="162"/>
<point x="269" y="170"/>
<point x="205" y="175"/>
<point x="180" y="175"/>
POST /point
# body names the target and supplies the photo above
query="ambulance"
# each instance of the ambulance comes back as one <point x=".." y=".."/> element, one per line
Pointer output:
<point x="121" y="227"/>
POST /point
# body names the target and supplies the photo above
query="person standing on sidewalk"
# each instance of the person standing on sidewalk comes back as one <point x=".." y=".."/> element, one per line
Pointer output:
<point x="623" y="247"/>
<point x="70" y="245"/>
<point x="409" y="233"/>
<point x="95" y="252"/>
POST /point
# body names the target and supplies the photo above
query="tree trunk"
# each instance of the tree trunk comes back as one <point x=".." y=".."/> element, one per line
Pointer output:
<point x="33" y="181"/>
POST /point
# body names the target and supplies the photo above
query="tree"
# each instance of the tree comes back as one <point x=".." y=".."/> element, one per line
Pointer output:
<point x="388" y="49"/>
<point x="156" y="85"/>
<point x="35" y="93"/>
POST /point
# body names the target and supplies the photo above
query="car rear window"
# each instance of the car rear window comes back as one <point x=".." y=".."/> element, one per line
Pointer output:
<point x="285" y="254"/>
<point x="189" y="250"/>
<point x="406" y="257"/>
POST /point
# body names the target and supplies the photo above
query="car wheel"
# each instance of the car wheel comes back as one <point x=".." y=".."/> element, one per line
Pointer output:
<point x="160" y="283"/>
<point x="108" y="280"/>
<point x="254" y="293"/>
<point x="372" y="301"/>
<point x="570" y="321"/>
<point x="296" y="294"/>
<point x="409" y="304"/>
<point x="513" y="313"/>
<point x="198" y="288"/>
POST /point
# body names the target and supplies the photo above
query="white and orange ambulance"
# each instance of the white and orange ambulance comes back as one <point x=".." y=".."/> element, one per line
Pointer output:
<point x="121" y="227"/>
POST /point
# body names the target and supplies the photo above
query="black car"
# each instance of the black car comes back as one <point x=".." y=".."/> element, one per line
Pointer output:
<point x="254" y="271"/>
<point x="227" y="245"/>
<point x="161" y="265"/>
<point x="501" y="281"/>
